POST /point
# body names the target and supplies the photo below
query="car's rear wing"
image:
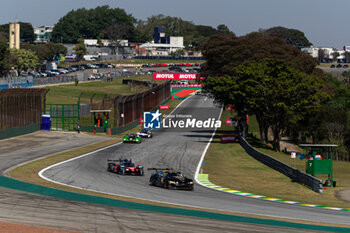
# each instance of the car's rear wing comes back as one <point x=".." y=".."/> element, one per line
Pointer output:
<point x="118" y="160"/>
<point x="162" y="169"/>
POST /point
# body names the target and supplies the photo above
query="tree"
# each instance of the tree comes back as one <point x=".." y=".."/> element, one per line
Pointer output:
<point x="346" y="77"/>
<point x="46" y="52"/>
<point x="223" y="29"/>
<point x="224" y="52"/>
<point x="26" y="31"/>
<point x="276" y="93"/>
<point x="291" y="36"/>
<point x="335" y="55"/>
<point x="23" y="59"/>
<point x="194" y="35"/>
<point x="322" y="54"/>
<point x="87" y="24"/>
<point x="4" y="55"/>
<point x="80" y="49"/>
<point x="115" y="33"/>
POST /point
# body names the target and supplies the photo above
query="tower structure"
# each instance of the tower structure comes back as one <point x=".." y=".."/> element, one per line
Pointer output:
<point x="14" y="33"/>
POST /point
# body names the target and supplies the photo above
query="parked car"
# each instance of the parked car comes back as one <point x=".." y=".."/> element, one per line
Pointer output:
<point x="345" y="66"/>
<point x="339" y="66"/>
<point x="332" y="66"/>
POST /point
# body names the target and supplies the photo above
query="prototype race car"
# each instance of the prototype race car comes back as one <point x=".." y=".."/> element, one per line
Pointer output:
<point x="144" y="133"/>
<point x="170" y="179"/>
<point x="132" y="138"/>
<point x="124" y="166"/>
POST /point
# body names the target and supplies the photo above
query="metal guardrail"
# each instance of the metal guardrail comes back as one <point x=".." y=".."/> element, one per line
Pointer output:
<point x="296" y="175"/>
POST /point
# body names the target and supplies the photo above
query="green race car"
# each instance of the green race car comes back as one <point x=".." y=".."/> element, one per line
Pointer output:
<point x="132" y="138"/>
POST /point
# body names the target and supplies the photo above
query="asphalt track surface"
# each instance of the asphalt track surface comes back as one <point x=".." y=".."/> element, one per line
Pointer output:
<point x="181" y="150"/>
<point x="40" y="210"/>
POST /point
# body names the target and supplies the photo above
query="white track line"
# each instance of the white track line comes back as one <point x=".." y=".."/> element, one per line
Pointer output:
<point x="203" y="154"/>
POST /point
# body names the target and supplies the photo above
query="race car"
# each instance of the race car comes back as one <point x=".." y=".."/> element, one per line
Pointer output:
<point x="124" y="166"/>
<point x="132" y="138"/>
<point x="144" y="133"/>
<point x="170" y="179"/>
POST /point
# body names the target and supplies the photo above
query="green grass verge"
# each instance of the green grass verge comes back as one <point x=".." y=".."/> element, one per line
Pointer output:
<point x="69" y="93"/>
<point x="228" y="165"/>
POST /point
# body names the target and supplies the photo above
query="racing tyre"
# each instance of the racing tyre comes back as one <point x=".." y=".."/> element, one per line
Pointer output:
<point x="141" y="172"/>
<point x="166" y="185"/>
<point x="151" y="182"/>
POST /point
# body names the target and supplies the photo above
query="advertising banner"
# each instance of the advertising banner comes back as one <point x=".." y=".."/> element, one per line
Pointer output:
<point x="164" y="107"/>
<point x="175" y="76"/>
<point x="186" y="85"/>
<point x="228" y="138"/>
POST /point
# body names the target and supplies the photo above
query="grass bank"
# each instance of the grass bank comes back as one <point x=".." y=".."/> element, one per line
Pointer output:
<point x="228" y="165"/>
<point x="69" y="93"/>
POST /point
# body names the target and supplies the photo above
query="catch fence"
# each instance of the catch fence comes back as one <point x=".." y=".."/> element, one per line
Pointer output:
<point x="20" y="110"/>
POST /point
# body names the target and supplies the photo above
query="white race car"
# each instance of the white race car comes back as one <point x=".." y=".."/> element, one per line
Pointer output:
<point x="144" y="133"/>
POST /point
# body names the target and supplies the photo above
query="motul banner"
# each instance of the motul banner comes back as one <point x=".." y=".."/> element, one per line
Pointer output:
<point x="175" y="76"/>
<point x="229" y="138"/>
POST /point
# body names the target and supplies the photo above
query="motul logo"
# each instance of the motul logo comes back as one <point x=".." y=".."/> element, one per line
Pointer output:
<point x="165" y="76"/>
<point x="187" y="76"/>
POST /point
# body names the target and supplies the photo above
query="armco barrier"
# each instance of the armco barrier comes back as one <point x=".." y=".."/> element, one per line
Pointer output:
<point x="298" y="176"/>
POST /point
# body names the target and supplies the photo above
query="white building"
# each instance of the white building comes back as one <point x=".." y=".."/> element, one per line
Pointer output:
<point x="328" y="52"/>
<point x="151" y="49"/>
<point x="43" y="34"/>
<point x="105" y="43"/>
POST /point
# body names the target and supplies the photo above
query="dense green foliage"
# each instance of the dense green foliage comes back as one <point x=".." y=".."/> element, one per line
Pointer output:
<point x="332" y="124"/>
<point x="26" y="31"/>
<point x="291" y="36"/>
<point x="194" y="35"/>
<point x="22" y="59"/>
<point x="224" y="52"/>
<point x="90" y="23"/>
<point x="4" y="55"/>
<point x="271" y="90"/>
<point x="80" y="49"/>
<point x="263" y="75"/>
<point x="46" y="51"/>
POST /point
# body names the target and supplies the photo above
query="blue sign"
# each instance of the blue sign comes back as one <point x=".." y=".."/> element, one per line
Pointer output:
<point x="151" y="120"/>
